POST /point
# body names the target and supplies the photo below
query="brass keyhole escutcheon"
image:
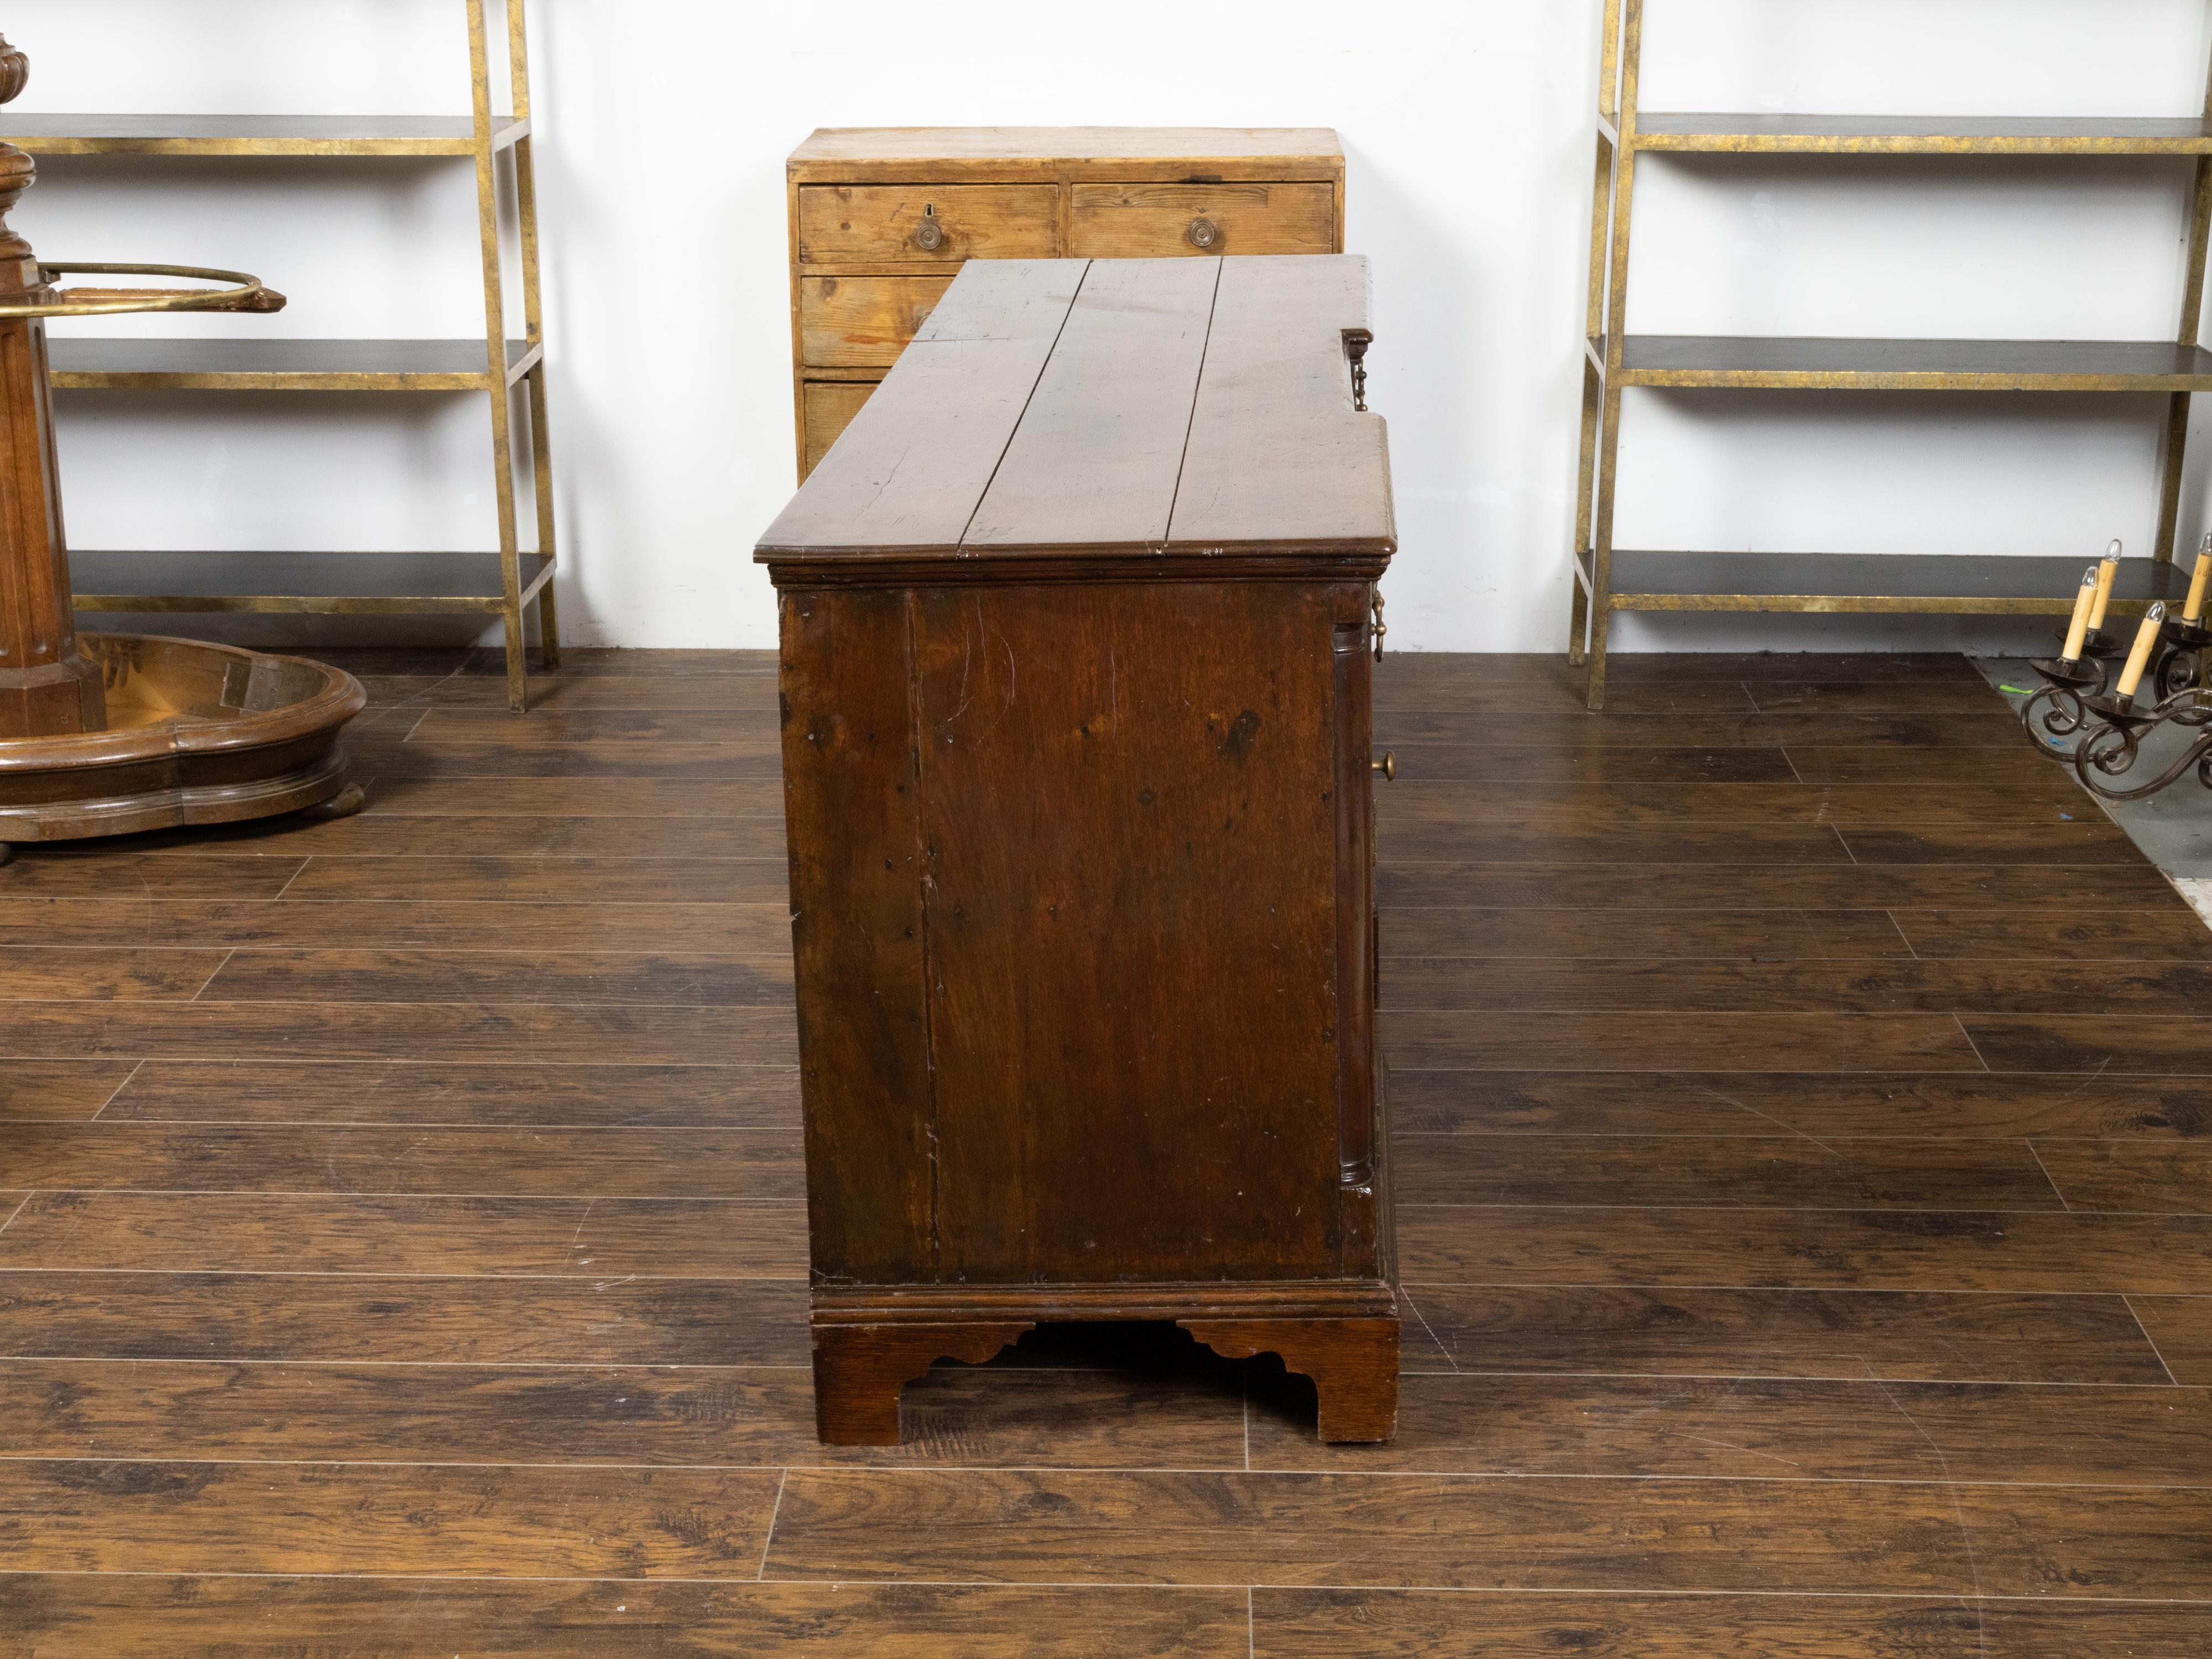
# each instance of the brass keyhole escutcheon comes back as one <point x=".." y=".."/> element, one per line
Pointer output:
<point x="1204" y="233"/>
<point x="929" y="235"/>
<point x="1387" y="766"/>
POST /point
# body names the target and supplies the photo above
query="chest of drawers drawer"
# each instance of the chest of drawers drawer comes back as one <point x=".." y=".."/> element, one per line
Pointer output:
<point x="826" y="408"/>
<point x="862" y="322"/>
<point x="1152" y="222"/>
<point x="926" y="224"/>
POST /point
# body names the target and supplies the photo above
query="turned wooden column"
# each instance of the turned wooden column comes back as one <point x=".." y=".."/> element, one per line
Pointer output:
<point x="48" y="686"/>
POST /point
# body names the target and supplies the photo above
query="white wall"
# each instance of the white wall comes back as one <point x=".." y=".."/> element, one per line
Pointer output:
<point x="662" y="129"/>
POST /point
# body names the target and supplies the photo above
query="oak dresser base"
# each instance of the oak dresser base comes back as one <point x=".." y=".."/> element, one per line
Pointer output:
<point x="868" y="1346"/>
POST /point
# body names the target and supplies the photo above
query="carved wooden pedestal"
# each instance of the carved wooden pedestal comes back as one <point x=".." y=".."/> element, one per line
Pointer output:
<point x="190" y="734"/>
<point x="102" y="735"/>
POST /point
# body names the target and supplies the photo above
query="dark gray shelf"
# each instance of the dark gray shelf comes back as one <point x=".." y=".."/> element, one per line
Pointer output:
<point x="319" y="583"/>
<point x="167" y="363"/>
<point x="1778" y="362"/>
<point x="1924" y="135"/>
<point x="252" y="134"/>
<point x="1962" y="584"/>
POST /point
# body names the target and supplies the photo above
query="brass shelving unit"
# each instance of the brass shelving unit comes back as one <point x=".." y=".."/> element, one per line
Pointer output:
<point x="1607" y="580"/>
<point x="506" y="583"/>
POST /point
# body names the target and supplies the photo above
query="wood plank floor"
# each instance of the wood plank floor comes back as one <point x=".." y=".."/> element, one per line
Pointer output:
<point x="1803" y="1101"/>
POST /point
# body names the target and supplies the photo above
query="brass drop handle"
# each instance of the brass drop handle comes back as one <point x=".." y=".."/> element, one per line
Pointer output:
<point x="1387" y="766"/>
<point x="1355" y="342"/>
<point x="929" y="233"/>
<point x="1203" y="232"/>
<point x="1374" y="605"/>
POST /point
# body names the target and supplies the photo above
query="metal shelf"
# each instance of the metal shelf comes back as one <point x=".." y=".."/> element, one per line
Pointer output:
<point x="1920" y="135"/>
<point x="1608" y="579"/>
<point x="255" y="134"/>
<point x="1775" y="363"/>
<point x="309" y="584"/>
<point x="1947" y="583"/>
<point x="333" y="583"/>
<point x="259" y="365"/>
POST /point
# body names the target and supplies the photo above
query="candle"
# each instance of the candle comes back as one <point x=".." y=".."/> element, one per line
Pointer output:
<point x="2195" y="608"/>
<point x="2079" y="630"/>
<point x="2105" y="572"/>
<point x="2139" y="659"/>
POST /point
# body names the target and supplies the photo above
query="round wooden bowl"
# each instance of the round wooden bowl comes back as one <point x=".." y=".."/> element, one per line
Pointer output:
<point x="197" y="733"/>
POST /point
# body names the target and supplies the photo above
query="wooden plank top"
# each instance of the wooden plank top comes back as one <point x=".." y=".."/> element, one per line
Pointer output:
<point x="1099" y="449"/>
<point x="1145" y="408"/>
<point x="932" y="437"/>
<point x="1274" y="441"/>
<point x="1086" y="147"/>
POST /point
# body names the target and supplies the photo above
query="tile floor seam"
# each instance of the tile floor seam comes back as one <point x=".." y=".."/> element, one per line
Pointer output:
<point x="2135" y="1314"/>
<point x="767" y="1541"/>
<point x="2035" y="1152"/>
<point x="116" y="1093"/>
<point x="212" y="977"/>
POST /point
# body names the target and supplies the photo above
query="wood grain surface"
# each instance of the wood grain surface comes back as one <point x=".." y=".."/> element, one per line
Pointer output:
<point x="1109" y="409"/>
<point x="846" y="224"/>
<point x="1123" y="222"/>
<point x="961" y="387"/>
<point x="402" y="1250"/>
<point x="863" y="322"/>
<point x="881" y="219"/>
<point x="158" y="1616"/>
<point x="829" y="406"/>
<point x="1436" y="1624"/>
<point x="1099" y="450"/>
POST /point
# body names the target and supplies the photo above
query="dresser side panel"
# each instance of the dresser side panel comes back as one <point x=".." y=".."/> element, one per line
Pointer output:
<point x="851" y="813"/>
<point x="1131" y="831"/>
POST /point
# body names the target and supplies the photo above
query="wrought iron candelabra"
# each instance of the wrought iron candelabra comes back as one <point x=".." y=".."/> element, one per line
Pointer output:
<point x="2161" y="682"/>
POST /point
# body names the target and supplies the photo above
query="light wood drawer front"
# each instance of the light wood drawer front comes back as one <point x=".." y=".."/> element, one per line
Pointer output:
<point x="1150" y="221"/>
<point x="862" y="322"/>
<point x="875" y="224"/>
<point x="831" y="406"/>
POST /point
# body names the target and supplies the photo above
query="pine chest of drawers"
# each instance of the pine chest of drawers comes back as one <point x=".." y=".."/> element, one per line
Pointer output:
<point x="1077" y="622"/>
<point x="883" y="217"/>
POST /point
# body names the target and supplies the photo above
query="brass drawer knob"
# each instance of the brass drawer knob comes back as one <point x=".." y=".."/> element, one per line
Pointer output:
<point x="1204" y="233"/>
<point x="929" y="233"/>
<point x="1387" y="766"/>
